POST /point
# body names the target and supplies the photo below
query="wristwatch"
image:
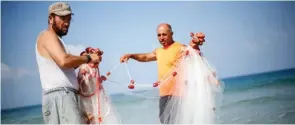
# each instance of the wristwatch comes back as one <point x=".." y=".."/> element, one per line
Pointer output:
<point x="88" y="58"/>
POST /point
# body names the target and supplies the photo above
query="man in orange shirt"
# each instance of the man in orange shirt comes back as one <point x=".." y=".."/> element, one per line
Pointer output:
<point x="166" y="58"/>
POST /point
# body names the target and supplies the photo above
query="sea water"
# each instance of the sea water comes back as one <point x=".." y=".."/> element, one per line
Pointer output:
<point x="254" y="99"/>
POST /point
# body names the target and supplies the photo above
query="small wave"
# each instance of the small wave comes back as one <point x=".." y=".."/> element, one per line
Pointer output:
<point x="287" y="114"/>
<point x="264" y="84"/>
<point x="259" y="100"/>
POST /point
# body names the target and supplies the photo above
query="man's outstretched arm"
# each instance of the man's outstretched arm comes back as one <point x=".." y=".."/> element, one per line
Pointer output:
<point x="144" y="57"/>
<point x="141" y="57"/>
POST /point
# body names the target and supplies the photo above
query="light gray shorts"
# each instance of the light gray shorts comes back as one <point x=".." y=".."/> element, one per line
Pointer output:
<point x="60" y="106"/>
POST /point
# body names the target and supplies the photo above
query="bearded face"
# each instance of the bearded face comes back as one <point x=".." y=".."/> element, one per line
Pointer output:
<point x="60" y="24"/>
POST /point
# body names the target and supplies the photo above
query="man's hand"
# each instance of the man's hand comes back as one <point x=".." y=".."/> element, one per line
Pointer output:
<point x="193" y="44"/>
<point x="125" y="58"/>
<point x="197" y="39"/>
<point x="95" y="58"/>
<point x="95" y="54"/>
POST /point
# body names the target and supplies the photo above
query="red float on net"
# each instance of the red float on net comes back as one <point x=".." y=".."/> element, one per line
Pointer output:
<point x="131" y="85"/>
<point x="186" y="52"/>
<point x="174" y="73"/>
<point x="83" y="72"/>
<point x="155" y="84"/>
<point x="99" y="119"/>
<point x="103" y="78"/>
<point x="108" y="73"/>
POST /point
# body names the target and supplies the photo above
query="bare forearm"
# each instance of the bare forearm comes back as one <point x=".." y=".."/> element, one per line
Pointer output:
<point x="72" y="61"/>
<point x="139" y="57"/>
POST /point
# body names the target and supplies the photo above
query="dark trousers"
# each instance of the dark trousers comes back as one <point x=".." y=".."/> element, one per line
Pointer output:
<point x="169" y="109"/>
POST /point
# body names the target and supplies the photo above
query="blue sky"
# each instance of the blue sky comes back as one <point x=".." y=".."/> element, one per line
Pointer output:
<point x="242" y="38"/>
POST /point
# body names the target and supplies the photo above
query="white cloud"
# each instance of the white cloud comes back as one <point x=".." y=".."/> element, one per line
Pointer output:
<point x="76" y="49"/>
<point x="12" y="73"/>
<point x="250" y="46"/>
<point x="256" y="46"/>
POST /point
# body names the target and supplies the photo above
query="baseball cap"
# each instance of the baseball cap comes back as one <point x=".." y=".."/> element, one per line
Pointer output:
<point x="60" y="9"/>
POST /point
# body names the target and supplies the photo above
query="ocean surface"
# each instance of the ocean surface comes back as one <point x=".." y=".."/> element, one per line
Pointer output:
<point x="266" y="98"/>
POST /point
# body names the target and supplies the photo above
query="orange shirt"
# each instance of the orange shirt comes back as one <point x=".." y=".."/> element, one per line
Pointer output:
<point x="166" y="60"/>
